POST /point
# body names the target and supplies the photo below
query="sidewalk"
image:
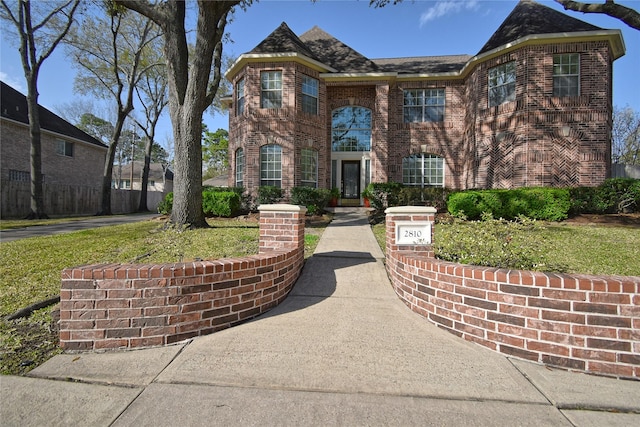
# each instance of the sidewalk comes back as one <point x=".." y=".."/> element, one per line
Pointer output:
<point x="341" y="350"/>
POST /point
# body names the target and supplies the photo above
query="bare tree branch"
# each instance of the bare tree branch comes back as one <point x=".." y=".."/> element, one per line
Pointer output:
<point x="609" y="7"/>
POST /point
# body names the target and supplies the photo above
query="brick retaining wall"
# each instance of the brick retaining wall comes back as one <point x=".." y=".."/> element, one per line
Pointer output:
<point x="577" y="322"/>
<point x="142" y="305"/>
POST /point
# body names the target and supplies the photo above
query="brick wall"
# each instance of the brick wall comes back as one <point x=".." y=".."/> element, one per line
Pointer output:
<point x="142" y="305"/>
<point x="84" y="168"/>
<point x="577" y="322"/>
<point x="536" y="140"/>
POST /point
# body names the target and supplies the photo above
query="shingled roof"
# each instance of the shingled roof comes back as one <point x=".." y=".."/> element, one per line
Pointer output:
<point x="423" y="64"/>
<point x="283" y="40"/>
<point x="13" y="106"/>
<point x="529" y="18"/>
<point x="333" y="52"/>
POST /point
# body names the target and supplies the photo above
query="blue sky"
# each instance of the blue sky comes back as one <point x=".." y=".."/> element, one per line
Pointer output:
<point x="412" y="28"/>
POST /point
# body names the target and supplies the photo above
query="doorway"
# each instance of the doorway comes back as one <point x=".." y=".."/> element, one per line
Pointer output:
<point x="351" y="179"/>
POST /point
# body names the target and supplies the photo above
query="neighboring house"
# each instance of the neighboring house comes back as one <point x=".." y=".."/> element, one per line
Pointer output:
<point x="532" y="108"/>
<point x="160" y="177"/>
<point x="70" y="158"/>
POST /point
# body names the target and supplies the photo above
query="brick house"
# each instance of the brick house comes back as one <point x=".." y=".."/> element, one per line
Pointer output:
<point x="70" y="158"/>
<point x="532" y="108"/>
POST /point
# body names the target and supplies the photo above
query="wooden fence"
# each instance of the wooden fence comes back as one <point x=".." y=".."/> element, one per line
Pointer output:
<point x="62" y="200"/>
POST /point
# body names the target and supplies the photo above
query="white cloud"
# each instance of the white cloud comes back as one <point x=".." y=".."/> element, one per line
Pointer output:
<point x="16" y="82"/>
<point x="447" y="7"/>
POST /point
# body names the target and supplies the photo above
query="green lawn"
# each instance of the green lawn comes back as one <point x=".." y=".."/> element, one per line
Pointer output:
<point x="586" y="249"/>
<point x="30" y="270"/>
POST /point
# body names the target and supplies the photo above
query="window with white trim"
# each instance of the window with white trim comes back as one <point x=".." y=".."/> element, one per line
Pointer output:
<point x="239" y="167"/>
<point x="502" y="84"/>
<point x="566" y="74"/>
<point x="309" y="167"/>
<point x="423" y="105"/>
<point x="271" y="89"/>
<point x="64" y="148"/>
<point x="423" y="170"/>
<point x="309" y="95"/>
<point x="271" y="165"/>
<point x="240" y="97"/>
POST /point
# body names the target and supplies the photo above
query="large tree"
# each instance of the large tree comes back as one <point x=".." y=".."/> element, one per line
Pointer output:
<point x="609" y="7"/>
<point x="215" y="152"/>
<point x="40" y="27"/>
<point x="153" y="96"/>
<point x="625" y="144"/>
<point x="112" y="51"/>
<point x="187" y="98"/>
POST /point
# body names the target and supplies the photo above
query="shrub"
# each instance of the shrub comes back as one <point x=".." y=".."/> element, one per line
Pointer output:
<point x="216" y="201"/>
<point x="381" y="195"/>
<point x="614" y="195"/>
<point x="428" y="196"/>
<point x="268" y="195"/>
<point x="314" y="199"/>
<point x="220" y="203"/>
<point x="165" y="206"/>
<point x="549" y="204"/>
<point x="495" y="243"/>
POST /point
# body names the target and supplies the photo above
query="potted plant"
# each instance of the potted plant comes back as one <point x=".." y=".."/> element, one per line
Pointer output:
<point x="367" y="195"/>
<point x="335" y="195"/>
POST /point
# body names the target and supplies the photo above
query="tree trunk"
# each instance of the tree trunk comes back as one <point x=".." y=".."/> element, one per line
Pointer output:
<point x="142" y="206"/>
<point x="107" y="175"/>
<point x="37" y="195"/>
<point x="187" y="182"/>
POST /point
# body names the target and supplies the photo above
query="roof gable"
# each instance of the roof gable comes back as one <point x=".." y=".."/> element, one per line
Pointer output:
<point x="531" y="18"/>
<point x="282" y="40"/>
<point x="333" y="52"/>
<point x="13" y="106"/>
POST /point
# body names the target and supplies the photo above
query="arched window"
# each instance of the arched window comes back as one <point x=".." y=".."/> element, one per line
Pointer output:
<point x="423" y="170"/>
<point x="239" y="167"/>
<point x="271" y="165"/>
<point x="309" y="167"/>
<point x="351" y="129"/>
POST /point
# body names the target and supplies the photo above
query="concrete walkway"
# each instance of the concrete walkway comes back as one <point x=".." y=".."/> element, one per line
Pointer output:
<point x="341" y="350"/>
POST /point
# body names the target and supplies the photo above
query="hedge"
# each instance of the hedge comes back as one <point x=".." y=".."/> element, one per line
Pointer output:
<point x="549" y="204"/>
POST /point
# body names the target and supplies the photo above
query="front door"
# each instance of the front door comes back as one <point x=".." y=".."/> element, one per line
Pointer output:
<point x="351" y="179"/>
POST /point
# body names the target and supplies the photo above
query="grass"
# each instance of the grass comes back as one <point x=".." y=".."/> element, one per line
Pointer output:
<point x="10" y="224"/>
<point x="30" y="270"/>
<point x="579" y="249"/>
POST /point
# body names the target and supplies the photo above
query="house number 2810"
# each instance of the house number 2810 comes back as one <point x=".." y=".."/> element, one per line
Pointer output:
<point x="413" y="233"/>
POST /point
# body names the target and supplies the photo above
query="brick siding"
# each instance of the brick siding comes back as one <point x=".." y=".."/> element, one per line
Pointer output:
<point x="133" y="306"/>
<point x="536" y="140"/>
<point x="571" y="321"/>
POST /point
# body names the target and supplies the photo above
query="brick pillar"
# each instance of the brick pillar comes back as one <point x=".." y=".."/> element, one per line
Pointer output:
<point x="415" y="225"/>
<point x="281" y="227"/>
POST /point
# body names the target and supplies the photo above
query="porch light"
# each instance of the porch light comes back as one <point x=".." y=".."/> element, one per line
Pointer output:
<point x="566" y="129"/>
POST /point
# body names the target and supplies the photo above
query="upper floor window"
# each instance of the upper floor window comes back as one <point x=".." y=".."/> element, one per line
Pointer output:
<point x="309" y="95"/>
<point x="309" y="167"/>
<point x="240" y="97"/>
<point x="271" y="165"/>
<point x="271" y="89"/>
<point x="423" y="105"/>
<point x="351" y="129"/>
<point x="64" y="148"/>
<point x="502" y="84"/>
<point x="424" y="170"/>
<point x="239" y="167"/>
<point x="566" y="74"/>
